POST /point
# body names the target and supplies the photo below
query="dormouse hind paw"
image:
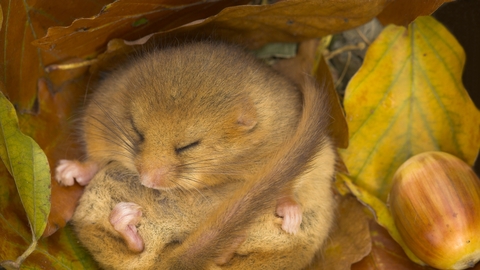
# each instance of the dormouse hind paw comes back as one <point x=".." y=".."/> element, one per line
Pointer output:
<point x="124" y="218"/>
<point x="291" y="212"/>
<point x="70" y="171"/>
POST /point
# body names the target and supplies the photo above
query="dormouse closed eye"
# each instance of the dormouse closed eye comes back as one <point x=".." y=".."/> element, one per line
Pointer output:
<point x="184" y="148"/>
<point x="140" y="134"/>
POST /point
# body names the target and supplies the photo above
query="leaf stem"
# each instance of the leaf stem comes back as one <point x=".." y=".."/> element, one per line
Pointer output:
<point x="27" y="252"/>
<point x="15" y="265"/>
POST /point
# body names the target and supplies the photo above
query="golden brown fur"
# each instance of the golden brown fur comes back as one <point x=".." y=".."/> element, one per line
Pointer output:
<point x="234" y="216"/>
<point x="218" y="132"/>
<point x="244" y="113"/>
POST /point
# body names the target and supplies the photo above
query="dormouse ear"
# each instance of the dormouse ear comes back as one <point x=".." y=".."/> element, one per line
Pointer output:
<point x="247" y="117"/>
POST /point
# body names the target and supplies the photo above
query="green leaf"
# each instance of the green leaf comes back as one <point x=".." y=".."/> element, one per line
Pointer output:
<point x="28" y="165"/>
<point x="59" y="251"/>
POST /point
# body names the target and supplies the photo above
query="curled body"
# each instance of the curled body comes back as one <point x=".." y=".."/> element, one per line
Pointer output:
<point x="169" y="218"/>
<point x="214" y="150"/>
<point x="181" y="115"/>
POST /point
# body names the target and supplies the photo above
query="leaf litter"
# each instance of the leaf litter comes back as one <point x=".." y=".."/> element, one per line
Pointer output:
<point x="226" y="25"/>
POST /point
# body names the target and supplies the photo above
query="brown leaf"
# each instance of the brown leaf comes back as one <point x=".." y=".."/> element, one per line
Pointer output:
<point x="22" y="63"/>
<point x="403" y="12"/>
<point x="386" y="254"/>
<point x="127" y="19"/>
<point x="349" y="241"/>
<point x="301" y="20"/>
<point x="1" y="17"/>
<point x="284" y="21"/>
<point x="338" y="126"/>
<point x="43" y="115"/>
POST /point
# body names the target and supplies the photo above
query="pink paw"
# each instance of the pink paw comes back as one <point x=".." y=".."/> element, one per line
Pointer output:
<point x="291" y="213"/>
<point x="124" y="218"/>
<point x="69" y="171"/>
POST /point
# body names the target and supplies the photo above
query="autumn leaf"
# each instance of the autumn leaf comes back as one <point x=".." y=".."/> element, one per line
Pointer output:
<point x="21" y="63"/>
<point x="251" y="25"/>
<point x="127" y="19"/>
<point x="386" y="253"/>
<point x="284" y="21"/>
<point x="54" y="110"/>
<point x="28" y="165"/>
<point x="403" y="12"/>
<point x="46" y="101"/>
<point x="60" y="251"/>
<point x="349" y="242"/>
<point x="29" y="87"/>
<point x="1" y="17"/>
<point x="408" y="98"/>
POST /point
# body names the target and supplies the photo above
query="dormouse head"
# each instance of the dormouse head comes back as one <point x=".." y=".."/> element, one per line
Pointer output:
<point x="192" y="141"/>
<point x="187" y="117"/>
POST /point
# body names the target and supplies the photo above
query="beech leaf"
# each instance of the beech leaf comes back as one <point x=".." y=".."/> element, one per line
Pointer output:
<point x="251" y="25"/>
<point x="408" y="98"/>
<point x="128" y="19"/>
<point x="21" y="63"/>
<point x="284" y="21"/>
<point x="349" y="241"/>
<point x="28" y="165"/>
<point x="1" y="17"/>
<point x="403" y="12"/>
<point x="59" y="251"/>
<point x="386" y="253"/>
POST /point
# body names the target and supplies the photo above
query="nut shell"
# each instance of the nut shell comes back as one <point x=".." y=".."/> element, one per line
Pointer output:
<point x="435" y="202"/>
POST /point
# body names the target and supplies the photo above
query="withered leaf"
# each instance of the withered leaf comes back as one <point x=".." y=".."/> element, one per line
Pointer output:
<point x="127" y="19"/>
<point x="349" y="242"/>
<point x="386" y="253"/>
<point x="403" y="12"/>
<point x="284" y="21"/>
<point x="22" y="63"/>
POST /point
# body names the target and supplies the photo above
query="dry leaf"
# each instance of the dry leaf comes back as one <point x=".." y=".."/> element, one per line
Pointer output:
<point x="253" y="26"/>
<point x="386" y="253"/>
<point x="62" y="91"/>
<point x="403" y="12"/>
<point x="127" y="19"/>
<point x="1" y="17"/>
<point x="284" y="21"/>
<point x="349" y="242"/>
<point x="22" y="63"/>
<point x="31" y="90"/>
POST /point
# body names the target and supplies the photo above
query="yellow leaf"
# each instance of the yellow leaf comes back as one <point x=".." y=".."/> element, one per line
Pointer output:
<point x="408" y="98"/>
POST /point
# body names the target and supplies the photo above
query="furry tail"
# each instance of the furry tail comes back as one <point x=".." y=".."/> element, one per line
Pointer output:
<point x="226" y="227"/>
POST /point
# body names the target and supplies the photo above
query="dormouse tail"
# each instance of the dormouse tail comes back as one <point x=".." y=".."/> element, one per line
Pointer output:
<point x="228" y="224"/>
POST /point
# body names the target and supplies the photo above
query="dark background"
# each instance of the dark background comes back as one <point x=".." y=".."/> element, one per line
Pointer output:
<point x="462" y="18"/>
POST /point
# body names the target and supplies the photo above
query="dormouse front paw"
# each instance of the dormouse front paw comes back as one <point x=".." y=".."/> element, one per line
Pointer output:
<point x="291" y="212"/>
<point x="69" y="171"/>
<point x="124" y="218"/>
